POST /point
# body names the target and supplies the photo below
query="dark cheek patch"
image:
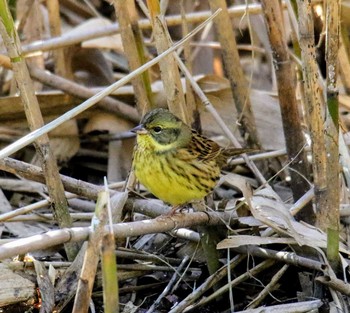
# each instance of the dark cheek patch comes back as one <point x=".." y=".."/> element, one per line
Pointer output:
<point x="168" y="136"/>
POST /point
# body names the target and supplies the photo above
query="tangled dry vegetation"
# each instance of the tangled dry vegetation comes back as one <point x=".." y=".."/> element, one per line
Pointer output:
<point x="274" y="76"/>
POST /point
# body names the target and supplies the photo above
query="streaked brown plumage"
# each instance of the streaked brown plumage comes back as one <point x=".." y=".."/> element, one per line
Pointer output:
<point x="173" y="161"/>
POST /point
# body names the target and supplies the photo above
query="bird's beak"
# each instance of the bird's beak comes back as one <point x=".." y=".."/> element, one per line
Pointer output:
<point x="140" y="129"/>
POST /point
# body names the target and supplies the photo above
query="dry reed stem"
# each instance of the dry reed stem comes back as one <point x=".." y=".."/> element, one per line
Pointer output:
<point x="314" y="103"/>
<point x="47" y="291"/>
<point x="271" y="286"/>
<point x="72" y="88"/>
<point x="191" y="105"/>
<point x="108" y="257"/>
<point x="328" y="217"/>
<point x="260" y="156"/>
<point x="35" y="121"/>
<point x="91" y="257"/>
<point x="344" y="59"/>
<point x="169" y="71"/>
<point x="125" y="253"/>
<point x="291" y="115"/>
<point x="264" y="265"/>
<point x="335" y="284"/>
<point x="234" y="72"/>
<point x="121" y="230"/>
<point x="208" y="284"/>
<point x="48" y="218"/>
<point x="66" y="286"/>
<point x="15" y="214"/>
<point x="298" y="307"/>
<point x="134" y="52"/>
<point x="169" y="286"/>
<point x="290" y="258"/>
<point x="55" y="31"/>
<point x="35" y="173"/>
<point x="110" y="274"/>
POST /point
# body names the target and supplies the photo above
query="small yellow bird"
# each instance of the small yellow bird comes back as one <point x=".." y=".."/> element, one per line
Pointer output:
<point x="174" y="162"/>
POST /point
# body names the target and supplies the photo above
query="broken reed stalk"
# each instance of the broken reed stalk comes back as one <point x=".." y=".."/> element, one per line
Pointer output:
<point x="109" y="274"/>
<point x="134" y="52"/>
<point x="169" y="71"/>
<point x="35" y="121"/>
<point x="45" y="285"/>
<point x="108" y="258"/>
<point x="91" y="257"/>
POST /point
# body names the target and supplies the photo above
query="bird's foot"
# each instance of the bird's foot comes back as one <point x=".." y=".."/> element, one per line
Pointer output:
<point x="176" y="209"/>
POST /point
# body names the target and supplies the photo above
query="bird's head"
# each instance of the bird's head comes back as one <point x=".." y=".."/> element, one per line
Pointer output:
<point x="162" y="131"/>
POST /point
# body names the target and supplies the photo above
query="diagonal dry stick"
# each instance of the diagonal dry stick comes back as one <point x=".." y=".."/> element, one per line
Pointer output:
<point x="31" y="137"/>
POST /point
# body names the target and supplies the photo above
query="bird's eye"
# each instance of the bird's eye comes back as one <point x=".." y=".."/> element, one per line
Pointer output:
<point x="157" y="129"/>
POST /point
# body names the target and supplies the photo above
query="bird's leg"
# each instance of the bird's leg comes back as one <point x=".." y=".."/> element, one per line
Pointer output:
<point x="173" y="210"/>
<point x="179" y="207"/>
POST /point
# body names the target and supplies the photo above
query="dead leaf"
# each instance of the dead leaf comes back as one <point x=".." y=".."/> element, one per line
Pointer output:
<point x="242" y="240"/>
<point x="14" y="288"/>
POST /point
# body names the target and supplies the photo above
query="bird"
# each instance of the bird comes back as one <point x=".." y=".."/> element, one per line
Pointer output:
<point x="174" y="162"/>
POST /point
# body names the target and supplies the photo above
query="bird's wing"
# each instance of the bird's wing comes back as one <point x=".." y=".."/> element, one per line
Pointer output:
<point x="202" y="148"/>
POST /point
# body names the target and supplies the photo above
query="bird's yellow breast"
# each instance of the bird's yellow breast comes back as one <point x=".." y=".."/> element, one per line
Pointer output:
<point x="173" y="175"/>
